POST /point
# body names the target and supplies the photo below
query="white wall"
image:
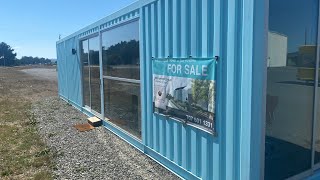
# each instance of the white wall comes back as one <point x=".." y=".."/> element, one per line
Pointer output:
<point x="277" y="50"/>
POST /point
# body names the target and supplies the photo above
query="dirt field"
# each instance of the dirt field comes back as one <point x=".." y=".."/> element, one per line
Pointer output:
<point x="42" y="73"/>
<point x="23" y="155"/>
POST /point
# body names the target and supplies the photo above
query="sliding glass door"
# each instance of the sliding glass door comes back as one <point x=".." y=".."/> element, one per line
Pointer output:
<point x="91" y="74"/>
<point x="121" y="76"/>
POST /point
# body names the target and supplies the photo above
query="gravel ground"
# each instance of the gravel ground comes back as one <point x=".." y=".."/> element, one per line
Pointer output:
<point x="96" y="154"/>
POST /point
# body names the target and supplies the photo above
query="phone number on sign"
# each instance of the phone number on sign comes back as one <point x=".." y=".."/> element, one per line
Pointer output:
<point x="200" y="121"/>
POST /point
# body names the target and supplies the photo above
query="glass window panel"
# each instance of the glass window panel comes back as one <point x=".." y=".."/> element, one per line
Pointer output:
<point x="95" y="74"/>
<point x="85" y="61"/>
<point x="317" y="127"/>
<point x="120" y="51"/>
<point x="122" y="105"/>
<point x="317" y="138"/>
<point x="290" y="87"/>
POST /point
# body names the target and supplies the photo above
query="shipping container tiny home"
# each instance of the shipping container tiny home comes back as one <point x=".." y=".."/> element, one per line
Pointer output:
<point x="210" y="89"/>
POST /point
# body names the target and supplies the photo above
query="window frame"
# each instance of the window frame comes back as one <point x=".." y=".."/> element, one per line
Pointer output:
<point x="80" y="41"/>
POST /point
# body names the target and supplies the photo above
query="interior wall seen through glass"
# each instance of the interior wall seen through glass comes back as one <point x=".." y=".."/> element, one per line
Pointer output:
<point x="122" y="105"/>
<point x="317" y="123"/>
<point x="290" y="87"/>
<point x="85" y="72"/>
<point x="120" y="51"/>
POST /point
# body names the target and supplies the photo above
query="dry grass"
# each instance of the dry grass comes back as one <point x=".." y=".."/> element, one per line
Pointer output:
<point x="23" y="155"/>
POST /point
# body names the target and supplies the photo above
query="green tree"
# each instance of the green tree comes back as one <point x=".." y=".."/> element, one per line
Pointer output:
<point x="7" y="55"/>
<point x="202" y="91"/>
<point x="122" y="53"/>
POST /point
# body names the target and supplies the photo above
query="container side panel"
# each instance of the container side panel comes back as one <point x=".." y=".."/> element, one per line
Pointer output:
<point x="59" y="61"/>
<point x="74" y="71"/>
<point x="179" y="29"/>
<point x="62" y="75"/>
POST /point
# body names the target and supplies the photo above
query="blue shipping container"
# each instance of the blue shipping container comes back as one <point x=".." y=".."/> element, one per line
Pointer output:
<point x="232" y="33"/>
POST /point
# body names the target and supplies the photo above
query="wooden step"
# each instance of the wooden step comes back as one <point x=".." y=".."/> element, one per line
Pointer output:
<point x="94" y="121"/>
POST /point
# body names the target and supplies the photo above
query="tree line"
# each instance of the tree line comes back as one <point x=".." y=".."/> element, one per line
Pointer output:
<point x="8" y="57"/>
<point x="29" y="60"/>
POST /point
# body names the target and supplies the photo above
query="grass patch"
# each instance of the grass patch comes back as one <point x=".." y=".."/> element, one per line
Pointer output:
<point x="42" y="175"/>
<point x="22" y="151"/>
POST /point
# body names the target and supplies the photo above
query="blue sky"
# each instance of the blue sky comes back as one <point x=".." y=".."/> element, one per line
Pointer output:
<point x="285" y="22"/>
<point x="32" y="27"/>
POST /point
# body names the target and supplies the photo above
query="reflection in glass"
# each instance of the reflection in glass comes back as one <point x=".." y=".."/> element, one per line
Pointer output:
<point x="290" y="87"/>
<point x="122" y="105"/>
<point x="86" y="72"/>
<point x="94" y="74"/>
<point x="120" y="51"/>
<point x="120" y="56"/>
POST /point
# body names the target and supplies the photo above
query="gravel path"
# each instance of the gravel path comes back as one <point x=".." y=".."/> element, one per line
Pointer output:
<point x="96" y="154"/>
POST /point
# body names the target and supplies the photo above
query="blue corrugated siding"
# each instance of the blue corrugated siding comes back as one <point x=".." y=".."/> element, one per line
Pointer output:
<point x="208" y="28"/>
<point x="74" y="70"/>
<point x="62" y="74"/>
<point x="179" y="28"/>
<point x="69" y="71"/>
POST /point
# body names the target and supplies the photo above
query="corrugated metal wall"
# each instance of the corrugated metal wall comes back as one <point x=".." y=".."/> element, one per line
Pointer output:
<point x="234" y="30"/>
<point x="74" y="71"/>
<point x="69" y="71"/>
<point x="62" y="74"/>
<point x="179" y="28"/>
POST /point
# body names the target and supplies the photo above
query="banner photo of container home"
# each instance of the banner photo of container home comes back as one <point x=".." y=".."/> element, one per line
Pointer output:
<point x="184" y="89"/>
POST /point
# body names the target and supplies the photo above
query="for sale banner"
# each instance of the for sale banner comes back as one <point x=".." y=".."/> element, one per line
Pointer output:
<point x="184" y="89"/>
